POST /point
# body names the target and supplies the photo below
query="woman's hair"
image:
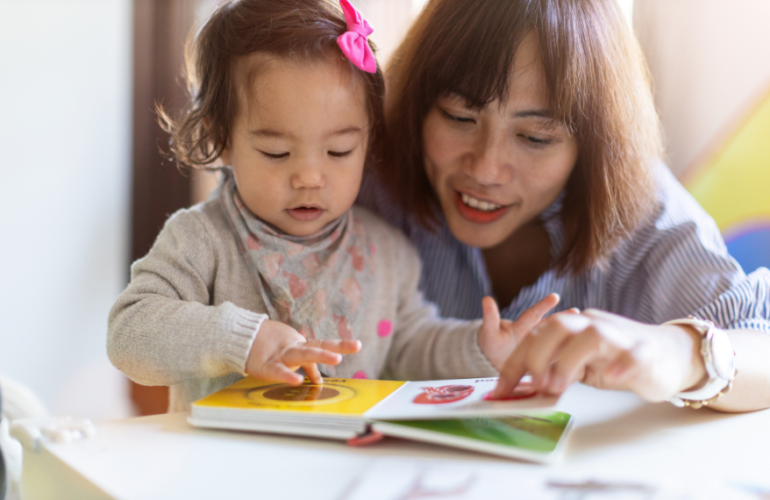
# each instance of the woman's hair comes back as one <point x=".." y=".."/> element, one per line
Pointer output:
<point x="598" y="86"/>
<point x="298" y="30"/>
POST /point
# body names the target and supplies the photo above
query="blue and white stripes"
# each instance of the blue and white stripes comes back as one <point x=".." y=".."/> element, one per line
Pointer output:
<point x="673" y="266"/>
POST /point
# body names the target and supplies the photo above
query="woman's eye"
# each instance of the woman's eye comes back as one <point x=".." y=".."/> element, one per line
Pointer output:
<point x="455" y="118"/>
<point x="537" y="142"/>
<point x="274" y="156"/>
<point x="340" y="154"/>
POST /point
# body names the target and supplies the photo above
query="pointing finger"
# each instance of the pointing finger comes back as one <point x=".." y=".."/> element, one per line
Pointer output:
<point x="311" y="370"/>
<point x="512" y="372"/>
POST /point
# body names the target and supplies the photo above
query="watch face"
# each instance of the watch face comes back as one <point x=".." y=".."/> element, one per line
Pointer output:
<point x="722" y="355"/>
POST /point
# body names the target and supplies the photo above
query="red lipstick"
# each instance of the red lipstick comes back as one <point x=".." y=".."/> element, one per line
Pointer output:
<point x="476" y="215"/>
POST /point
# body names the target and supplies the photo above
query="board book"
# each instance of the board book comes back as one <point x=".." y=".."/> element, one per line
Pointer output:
<point x="449" y="412"/>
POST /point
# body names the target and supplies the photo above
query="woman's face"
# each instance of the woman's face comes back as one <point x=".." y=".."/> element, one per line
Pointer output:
<point x="498" y="168"/>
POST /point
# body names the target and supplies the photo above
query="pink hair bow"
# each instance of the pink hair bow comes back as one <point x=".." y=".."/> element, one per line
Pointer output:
<point x="353" y="42"/>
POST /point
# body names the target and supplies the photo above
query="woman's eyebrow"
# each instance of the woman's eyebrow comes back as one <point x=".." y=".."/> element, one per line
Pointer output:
<point x="536" y="113"/>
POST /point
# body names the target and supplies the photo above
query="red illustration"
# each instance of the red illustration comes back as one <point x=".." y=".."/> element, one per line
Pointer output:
<point x="443" y="394"/>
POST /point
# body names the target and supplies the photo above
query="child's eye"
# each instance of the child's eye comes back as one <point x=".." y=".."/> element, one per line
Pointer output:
<point x="455" y="118"/>
<point x="274" y="156"/>
<point x="340" y="154"/>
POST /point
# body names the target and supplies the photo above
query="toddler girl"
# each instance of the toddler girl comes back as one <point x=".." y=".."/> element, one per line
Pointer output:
<point x="277" y="271"/>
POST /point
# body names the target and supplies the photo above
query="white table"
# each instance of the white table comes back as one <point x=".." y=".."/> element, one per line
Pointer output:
<point x="617" y="439"/>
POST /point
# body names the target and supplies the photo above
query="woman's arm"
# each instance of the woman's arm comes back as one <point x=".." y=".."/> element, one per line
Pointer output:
<point x="751" y="388"/>
<point x="612" y="352"/>
<point x="675" y="266"/>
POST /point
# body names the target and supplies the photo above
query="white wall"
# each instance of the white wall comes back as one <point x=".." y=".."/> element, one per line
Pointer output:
<point x="65" y="124"/>
<point x="709" y="62"/>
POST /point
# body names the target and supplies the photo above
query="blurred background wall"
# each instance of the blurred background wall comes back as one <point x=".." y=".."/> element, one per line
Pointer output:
<point x="710" y="62"/>
<point x="84" y="188"/>
<point x="65" y="130"/>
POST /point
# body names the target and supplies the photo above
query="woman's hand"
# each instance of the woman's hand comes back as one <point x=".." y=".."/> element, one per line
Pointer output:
<point x="497" y="338"/>
<point x="279" y="350"/>
<point x="606" y="351"/>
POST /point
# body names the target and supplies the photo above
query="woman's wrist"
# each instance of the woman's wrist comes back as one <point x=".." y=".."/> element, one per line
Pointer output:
<point x="694" y="373"/>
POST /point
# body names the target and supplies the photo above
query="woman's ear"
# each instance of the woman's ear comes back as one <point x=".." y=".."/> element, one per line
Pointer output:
<point x="225" y="156"/>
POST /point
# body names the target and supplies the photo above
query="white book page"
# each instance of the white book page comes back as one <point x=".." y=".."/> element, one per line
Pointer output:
<point x="459" y="398"/>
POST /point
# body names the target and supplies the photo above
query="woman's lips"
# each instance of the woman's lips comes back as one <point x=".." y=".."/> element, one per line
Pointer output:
<point x="476" y="215"/>
<point x="305" y="214"/>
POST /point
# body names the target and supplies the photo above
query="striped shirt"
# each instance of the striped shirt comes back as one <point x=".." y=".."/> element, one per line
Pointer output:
<point x="673" y="266"/>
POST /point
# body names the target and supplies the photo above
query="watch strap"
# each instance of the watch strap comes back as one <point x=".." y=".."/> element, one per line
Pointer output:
<point x="716" y="385"/>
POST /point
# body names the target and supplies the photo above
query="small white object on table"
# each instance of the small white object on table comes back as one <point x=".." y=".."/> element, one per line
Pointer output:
<point x="618" y="441"/>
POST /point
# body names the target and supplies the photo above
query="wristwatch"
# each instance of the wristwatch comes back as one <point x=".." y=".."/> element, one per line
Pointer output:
<point x="719" y="359"/>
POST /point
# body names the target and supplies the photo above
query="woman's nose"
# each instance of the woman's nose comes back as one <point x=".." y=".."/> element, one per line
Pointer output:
<point x="308" y="176"/>
<point x="490" y="162"/>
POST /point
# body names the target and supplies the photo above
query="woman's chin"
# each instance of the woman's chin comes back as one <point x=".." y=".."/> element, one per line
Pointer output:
<point x="477" y="234"/>
<point x="477" y="228"/>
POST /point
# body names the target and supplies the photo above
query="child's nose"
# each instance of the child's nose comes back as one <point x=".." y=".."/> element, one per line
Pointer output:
<point x="308" y="177"/>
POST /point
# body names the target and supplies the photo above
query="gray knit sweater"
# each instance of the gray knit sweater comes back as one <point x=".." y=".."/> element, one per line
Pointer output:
<point x="191" y="312"/>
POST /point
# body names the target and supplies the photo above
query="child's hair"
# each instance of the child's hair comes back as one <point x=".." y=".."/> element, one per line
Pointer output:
<point x="300" y="30"/>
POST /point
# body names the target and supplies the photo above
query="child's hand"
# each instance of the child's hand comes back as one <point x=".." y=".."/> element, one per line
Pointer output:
<point x="498" y="337"/>
<point x="279" y="350"/>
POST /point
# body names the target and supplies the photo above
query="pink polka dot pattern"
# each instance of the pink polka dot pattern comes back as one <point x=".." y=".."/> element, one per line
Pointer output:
<point x="361" y="375"/>
<point x="384" y="328"/>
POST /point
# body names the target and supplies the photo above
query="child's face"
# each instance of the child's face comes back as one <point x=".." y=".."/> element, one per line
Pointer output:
<point x="298" y="146"/>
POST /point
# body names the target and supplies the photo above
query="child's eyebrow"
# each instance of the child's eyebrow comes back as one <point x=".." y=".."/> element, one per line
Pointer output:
<point x="347" y="131"/>
<point x="274" y="134"/>
<point x="266" y="132"/>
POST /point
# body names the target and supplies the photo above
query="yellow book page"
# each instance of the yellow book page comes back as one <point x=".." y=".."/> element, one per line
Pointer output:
<point x="337" y="396"/>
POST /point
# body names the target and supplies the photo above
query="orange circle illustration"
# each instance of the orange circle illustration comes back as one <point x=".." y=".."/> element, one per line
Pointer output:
<point x="301" y="393"/>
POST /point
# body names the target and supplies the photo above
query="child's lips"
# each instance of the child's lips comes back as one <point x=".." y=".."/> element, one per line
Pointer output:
<point x="305" y="213"/>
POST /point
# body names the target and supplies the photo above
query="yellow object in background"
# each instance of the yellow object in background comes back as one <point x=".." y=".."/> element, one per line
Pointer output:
<point x="734" y="187"/>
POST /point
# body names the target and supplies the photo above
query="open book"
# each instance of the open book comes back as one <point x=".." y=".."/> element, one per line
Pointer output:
<point x="450" y="412"/>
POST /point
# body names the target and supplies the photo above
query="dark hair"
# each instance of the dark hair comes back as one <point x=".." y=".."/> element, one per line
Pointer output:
<point x="303" y="30"/>
<point x="598" y="86"/>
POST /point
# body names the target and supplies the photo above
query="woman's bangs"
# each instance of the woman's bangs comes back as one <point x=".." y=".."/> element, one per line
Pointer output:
<point x="493" y="58"/>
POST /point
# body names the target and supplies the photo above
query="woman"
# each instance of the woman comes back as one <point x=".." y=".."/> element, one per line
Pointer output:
<point x="523" y="159"/>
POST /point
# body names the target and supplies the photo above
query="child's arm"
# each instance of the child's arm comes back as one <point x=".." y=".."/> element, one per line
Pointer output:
<point x="427" y="346"/>
<point x="163" y="330"/>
